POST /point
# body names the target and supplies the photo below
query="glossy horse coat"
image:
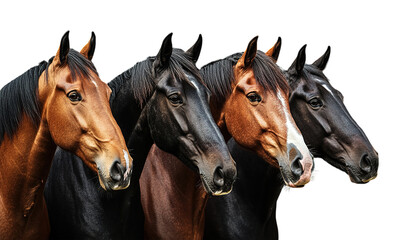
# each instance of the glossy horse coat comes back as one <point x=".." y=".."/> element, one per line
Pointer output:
<point x="245" y="87"/>
<point x="158" y="100"/>
<point x="330" y="131"/>
<point x="318" y="109"/>
<point x="45" y="107"/>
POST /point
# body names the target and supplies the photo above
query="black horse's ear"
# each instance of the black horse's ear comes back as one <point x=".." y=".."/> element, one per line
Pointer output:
<point x="164" y="55"/>
<point x="321" y="62"/>
<point x="195" y="50"/>
<point x="88" y="49"/>
<point x="61" y="55"/>
<point x="249" y="55"/>
<point x="298" y="65"/>
<point x="274" y="52"/>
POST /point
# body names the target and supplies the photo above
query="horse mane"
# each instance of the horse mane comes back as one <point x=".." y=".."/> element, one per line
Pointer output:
<point x="139" y="79"/>
<point x="308" y="72"/>
<point x="18" y="97"/>
<point x="79" y="66"/>
<point x="21" y="95"/>
<point x="219" y="76"/>
<point x="310" y="69"/>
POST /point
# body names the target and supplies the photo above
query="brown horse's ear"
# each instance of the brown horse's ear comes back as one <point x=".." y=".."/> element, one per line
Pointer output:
<point x="88" y="49"/>
<point x="165" y="53"/>
<point x="274" y="52"/>
<point x="297" y="66"/>
<point x="61" y="55"/>
<point x="195" y="50"/>
<point x="249" y="55"/>
<point x="321" y="62"/>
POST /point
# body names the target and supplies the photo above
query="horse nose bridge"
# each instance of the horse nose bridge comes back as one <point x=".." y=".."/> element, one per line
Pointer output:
<point x="208" y="136"/>
<point x="220" y="156"/>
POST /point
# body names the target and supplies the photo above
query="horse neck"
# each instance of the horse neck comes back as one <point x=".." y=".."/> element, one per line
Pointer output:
<point x="259" y="184"/>
<point x="25" y="167"/>
<point x="178" y="195"/>
<point x="126" y="110"/>
<point x="217" y="110"/>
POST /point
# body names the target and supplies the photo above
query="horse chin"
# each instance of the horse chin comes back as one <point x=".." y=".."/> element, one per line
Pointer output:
<point x="353" y="175"/>
<point x="103" y="184"/>
<point x="358" y="180"/>
<point x="221" y="193"/>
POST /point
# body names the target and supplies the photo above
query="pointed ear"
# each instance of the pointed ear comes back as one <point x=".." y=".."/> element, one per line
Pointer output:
<point x="298" y="65"/>
<point x="88" y="49"/>
<point x="61" y="55"/>
<point x="163" y="56"/>
<point x="321" y="62"/>
<point x="195" y="50"/>
<point x="274" y="52"/>
<point x="249" y="55"/>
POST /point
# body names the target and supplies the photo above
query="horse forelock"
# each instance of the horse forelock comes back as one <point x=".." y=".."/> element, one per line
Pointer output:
<point x="79" y="66"/>
<point x="219" y="76"/>
<point x="139" y="79"/>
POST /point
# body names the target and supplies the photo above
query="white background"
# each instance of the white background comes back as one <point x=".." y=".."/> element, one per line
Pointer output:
<point x="359" y="32"/>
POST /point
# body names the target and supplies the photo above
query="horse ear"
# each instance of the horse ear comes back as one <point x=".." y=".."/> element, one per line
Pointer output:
<point x="195" y="50"/>
<point x="321" y="62"/>
<point x="88" y="49"/>
<point x="163" y="56"/>
<point x="249" y="55"/>
<point x="274" y="52"/>
<point x="61" y="55"/>
<point x="298" y="65"/>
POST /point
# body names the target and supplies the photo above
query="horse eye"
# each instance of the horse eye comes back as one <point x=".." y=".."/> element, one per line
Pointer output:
<point x="74" y="96"/>
<point x="175" y="99"/>
<point x="315" y="103"/>
<point x="254" y="97"/>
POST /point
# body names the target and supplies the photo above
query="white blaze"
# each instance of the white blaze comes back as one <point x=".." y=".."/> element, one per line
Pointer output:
<point x="293" y="134"/>
<point x="127" y="164"/>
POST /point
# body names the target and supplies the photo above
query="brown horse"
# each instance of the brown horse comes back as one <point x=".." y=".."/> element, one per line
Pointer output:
<point x="249" y="103"/>
<point x="62" y="102"/>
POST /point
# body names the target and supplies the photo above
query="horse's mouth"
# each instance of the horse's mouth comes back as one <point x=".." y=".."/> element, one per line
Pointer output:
<point x="359" y="180"/>
<point x="354" y="175"/>
<point x="111" y="186"/>
<point x="287" y="181"/>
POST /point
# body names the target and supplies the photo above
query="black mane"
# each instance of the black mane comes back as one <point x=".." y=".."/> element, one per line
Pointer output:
<point x="309" y="72"/>
<point x="139" y="79"/>
<point x="21" y="95"/>
<point x="312" y="70"/>
<point x="18" y="97"/>
<point x="218" y="75"/>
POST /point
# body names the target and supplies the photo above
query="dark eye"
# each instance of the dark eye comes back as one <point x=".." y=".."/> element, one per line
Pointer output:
<point x="315" y="103"/>
<point x="254" y="97"/>
<point x="74" y="96"/>
<point x="175" y="99"/>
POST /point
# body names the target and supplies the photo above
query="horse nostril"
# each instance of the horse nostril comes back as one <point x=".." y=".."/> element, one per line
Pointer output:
<point x="296" y="167"/>
<point x="365" y="164"/>
<point x="218" y="177"/>
<point x="116" y="171"/>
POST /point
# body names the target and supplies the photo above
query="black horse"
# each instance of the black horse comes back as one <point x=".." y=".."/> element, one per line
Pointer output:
<point x="330" y="133"/>
<point x="161" y="100"/>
